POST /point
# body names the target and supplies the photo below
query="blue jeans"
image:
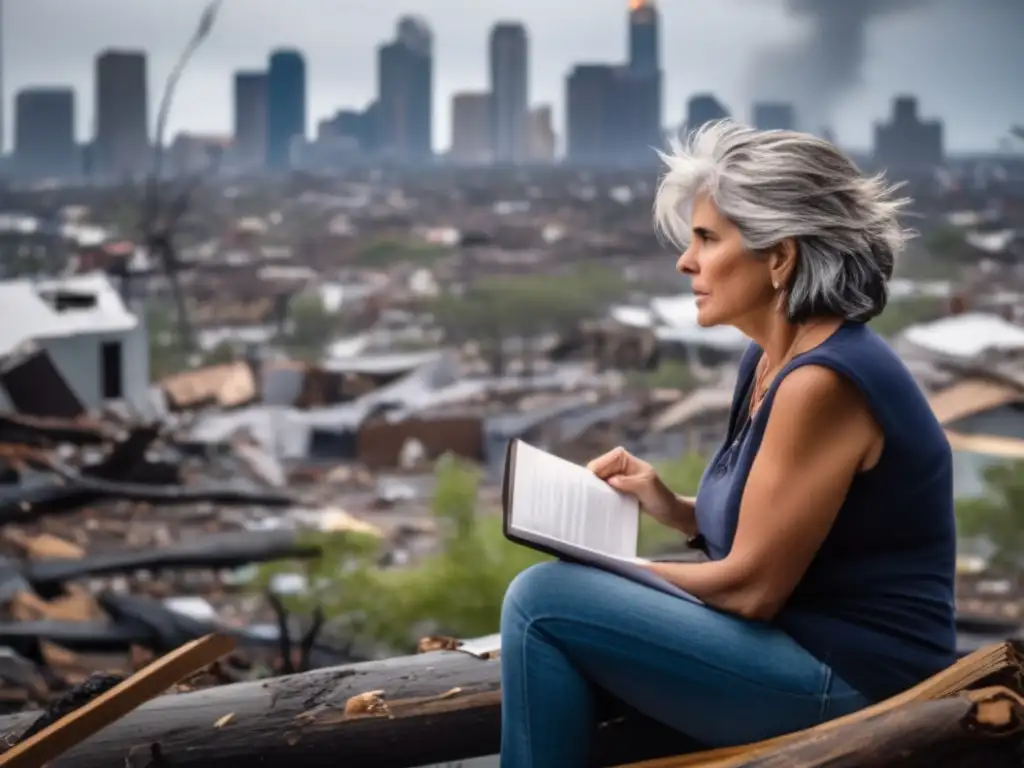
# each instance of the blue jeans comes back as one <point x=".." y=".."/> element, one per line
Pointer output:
<point x="716" y="678"/>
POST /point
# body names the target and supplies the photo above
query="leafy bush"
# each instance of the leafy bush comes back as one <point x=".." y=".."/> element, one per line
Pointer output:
<point x="456" y="591"/>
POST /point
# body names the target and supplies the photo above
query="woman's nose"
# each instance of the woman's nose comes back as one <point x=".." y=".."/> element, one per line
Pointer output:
<point x="687" y="262"/>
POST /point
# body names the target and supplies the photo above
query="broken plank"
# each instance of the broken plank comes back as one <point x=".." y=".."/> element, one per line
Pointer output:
<point x="59" y="737"/>
<point x="982" y="727"/>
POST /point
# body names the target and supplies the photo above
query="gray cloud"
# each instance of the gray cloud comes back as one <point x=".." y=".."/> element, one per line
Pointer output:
<point x="819" y="69"/>
<point x="827" y="61"/>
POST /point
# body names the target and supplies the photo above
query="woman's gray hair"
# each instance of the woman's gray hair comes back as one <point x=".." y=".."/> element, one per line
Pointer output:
<point x="775" y="185"/>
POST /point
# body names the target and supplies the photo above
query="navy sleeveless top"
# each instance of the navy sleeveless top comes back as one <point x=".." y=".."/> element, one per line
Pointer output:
<point x="877" y="603"/>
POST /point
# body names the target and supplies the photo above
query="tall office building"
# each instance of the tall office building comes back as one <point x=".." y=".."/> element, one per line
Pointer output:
<point x="644" y="34"/>
<point x="471" y="129"/>
<point x="642" y="83"/>
<point x="774" y="116"/>
<point x="44" y="133"/>
<point x="251" y="119"/>
<point x="286" y="106"/>
<point x="701" y="109"/>
<point x="122" y="115"/>
<point x="510" y="102"/>
<point x="405" y="84"/>
<point x="907" y="144"/>
<point x="542" y="135"/>
<point x="592" y="104"/>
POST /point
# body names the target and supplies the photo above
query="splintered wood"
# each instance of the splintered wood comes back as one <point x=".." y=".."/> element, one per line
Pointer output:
<point x="59" y="737"/>
<point x="431" y="643"/>
<point x="936" y="714"/>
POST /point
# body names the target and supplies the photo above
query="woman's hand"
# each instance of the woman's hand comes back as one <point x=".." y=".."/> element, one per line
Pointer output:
<point x="625" y="472"/>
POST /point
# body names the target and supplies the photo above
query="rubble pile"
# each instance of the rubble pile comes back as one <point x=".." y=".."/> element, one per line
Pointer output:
<point x="119" y="543"/>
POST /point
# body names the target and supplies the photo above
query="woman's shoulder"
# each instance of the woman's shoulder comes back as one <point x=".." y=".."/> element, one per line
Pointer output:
<point x="859" y="353"/>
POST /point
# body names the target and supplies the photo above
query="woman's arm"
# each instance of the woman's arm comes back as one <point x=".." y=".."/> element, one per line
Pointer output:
<point x="818" y="434"/>
<point x="684" y="517"/>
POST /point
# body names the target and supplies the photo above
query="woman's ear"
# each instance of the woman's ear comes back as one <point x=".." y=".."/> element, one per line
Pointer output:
<point x="782" y="262"/>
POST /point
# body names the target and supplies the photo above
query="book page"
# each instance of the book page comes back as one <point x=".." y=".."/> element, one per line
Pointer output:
<point x="563" y="501"/>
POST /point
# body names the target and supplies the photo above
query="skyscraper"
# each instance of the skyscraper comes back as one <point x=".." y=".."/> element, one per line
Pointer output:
<point x="44" y="133"/>
<point x="592" y="135"/>
<point x="405" y="80"/>
<point x="701" y="109"/>
<point x="906" y="144"/>
<point x="769" y="116"/>
<point x="286" y="106"/>
<point x="644" y="47"/>
<point x="542" y="135"/>
<point x="251" y="118"/>
<point x="509" y="55"/>
<point x="122" y="114"/>
<point x="642" y="82"/>
<point x="471" y="129"/>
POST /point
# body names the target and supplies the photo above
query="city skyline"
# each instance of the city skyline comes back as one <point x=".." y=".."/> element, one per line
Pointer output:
<point x="205" y="103"/>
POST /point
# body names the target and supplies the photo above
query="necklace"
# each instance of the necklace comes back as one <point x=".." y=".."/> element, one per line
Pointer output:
<point x="761" y="382"/>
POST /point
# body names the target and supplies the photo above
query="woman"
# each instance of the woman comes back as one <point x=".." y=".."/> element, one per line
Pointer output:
<point x="827" y="513"/>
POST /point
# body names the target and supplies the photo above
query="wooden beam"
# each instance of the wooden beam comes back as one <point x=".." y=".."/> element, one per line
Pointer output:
<point x="51" y="742"/>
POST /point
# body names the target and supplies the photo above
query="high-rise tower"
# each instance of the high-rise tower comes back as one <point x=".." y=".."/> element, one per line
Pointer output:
<point x="510" y="104"/>
<point x="122" y="114"/>
<point x="286" y="106"/>
<point x="644" y="43"/>
<point x="405" y="100"/>
<point x="643" y="81"/>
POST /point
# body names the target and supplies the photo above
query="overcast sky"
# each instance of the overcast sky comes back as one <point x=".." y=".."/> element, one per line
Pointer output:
<point x="964" y="58"/>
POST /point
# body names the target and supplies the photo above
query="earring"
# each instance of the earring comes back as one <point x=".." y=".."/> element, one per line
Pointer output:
<point x="775" y="284"/>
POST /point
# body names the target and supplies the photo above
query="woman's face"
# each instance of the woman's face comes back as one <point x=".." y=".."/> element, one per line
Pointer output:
<point x="730" y="284"/>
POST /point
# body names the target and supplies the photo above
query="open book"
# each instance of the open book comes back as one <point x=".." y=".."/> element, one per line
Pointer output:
<point x="564" y="510"/>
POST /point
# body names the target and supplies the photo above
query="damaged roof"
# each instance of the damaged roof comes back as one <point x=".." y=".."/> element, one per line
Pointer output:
<point x="95" y="307"/>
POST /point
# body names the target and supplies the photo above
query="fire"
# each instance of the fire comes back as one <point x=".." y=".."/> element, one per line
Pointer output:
<point x="636" y="5"/>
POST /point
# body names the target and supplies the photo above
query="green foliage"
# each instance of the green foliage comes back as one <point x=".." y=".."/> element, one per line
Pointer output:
<point x="999" y="515"/>
<point x="456" y="591"/>
<point x="528" y="305"/>
<point x="311" y="328"/>
<point x="167" y="354"/>
<point x="384" y="252"/>
<point x="945" y="243"/>
<point x="670" y="374"/>
<point x="899" y="315"/>
<point x="682" y="475"/>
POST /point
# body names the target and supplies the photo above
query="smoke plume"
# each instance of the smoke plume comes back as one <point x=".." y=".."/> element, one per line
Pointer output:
<point x="819" y="69"/>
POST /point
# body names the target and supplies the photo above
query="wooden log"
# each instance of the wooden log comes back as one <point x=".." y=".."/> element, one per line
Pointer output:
<point x="444" y="706"/>
<point x="975" y="728"/>
<point x="397" y="713"/>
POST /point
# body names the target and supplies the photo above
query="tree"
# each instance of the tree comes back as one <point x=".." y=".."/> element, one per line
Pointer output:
<point x="457" y="590"/>
<point x="384" y="252"/>
<point x="899" y="315"/>
<point x="998" y="516"/>
<point x="670" y="374"/>
<point x="495" y="309"/>
<point x="310" y="327"/>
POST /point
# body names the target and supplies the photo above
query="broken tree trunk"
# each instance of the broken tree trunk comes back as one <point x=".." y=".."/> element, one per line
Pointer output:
<point x="982" y="727"/>
<point x="444" y="706"/>
<point x="409" y="711"/>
